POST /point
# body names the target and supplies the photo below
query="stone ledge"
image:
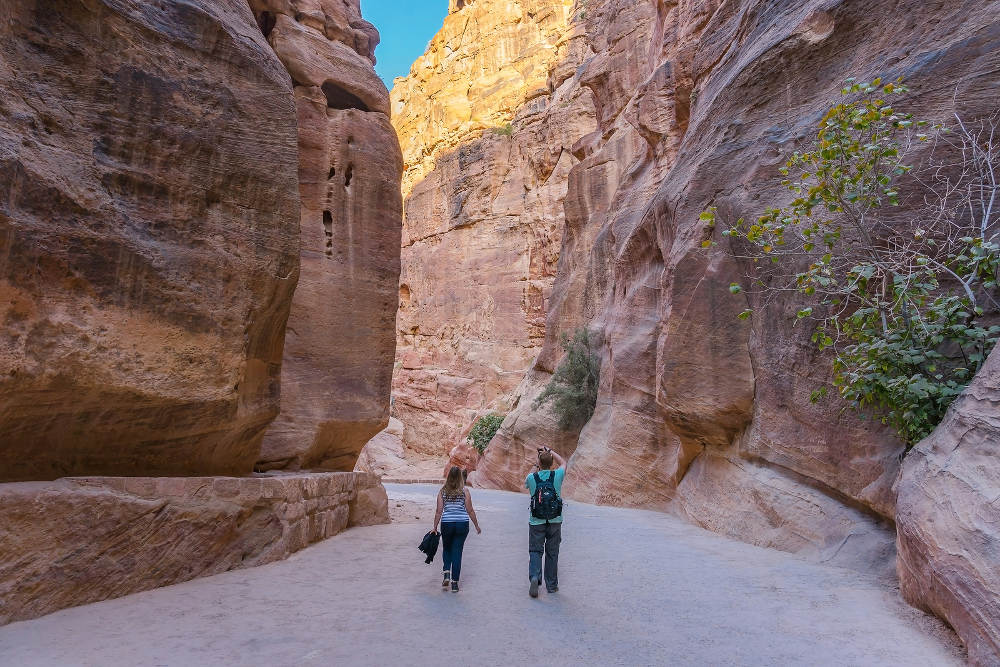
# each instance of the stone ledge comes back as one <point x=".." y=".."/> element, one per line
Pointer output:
<point x="79" y="540"/>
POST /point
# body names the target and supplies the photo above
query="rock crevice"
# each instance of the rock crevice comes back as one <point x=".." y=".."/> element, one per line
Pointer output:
<point x="692" y="104"/>
<point x="337" y="364"/>
<point x="486" y="134"/>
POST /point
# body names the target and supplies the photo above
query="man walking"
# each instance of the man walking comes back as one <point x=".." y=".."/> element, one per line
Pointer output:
<point x="545" y="520"/>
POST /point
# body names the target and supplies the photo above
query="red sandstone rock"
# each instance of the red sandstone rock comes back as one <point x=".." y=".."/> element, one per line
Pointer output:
<point x="698" y="104"/>
<point x="768" y="507"/>
<point x="81" y="540"/>
<point x="948" y="518"/>
<point x="463" y="455"/>
<point x="369" y="507"/>
<point x="384" y="454"/>
<point x="314" y="60"/>
<point x="340" y="343"/>
<point x="339" y="20"/>
<point x="514" y="449"/>
<point x="486" y="124"/>
<point x="682" y="379"/>
<point x="148" y="237"/>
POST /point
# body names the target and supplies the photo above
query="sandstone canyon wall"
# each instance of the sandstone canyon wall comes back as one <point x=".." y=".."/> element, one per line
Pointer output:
<point x="486" y="122"/>
<point x="948" y="516"/>
<point x="152" y="157"/>
<point x="148" y="237"/>
<point x="341" y="343"/>
<point x="698" y="103"/>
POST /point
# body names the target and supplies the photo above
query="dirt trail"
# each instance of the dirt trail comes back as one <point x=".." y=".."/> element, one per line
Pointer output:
<point x="637" y="588"/>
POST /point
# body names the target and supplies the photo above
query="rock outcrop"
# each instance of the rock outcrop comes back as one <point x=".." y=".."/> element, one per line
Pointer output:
<point x="486" y="122"/>
<point x="81" y="540"/>
<point x="698" y="104"/>
<point x="148" y="237"/>
<point x="152" y="157"/>
<point x="341" y="343"/>
<point x="948" y="518"/>
<point x="463" y="455"/>
<point x="384" y="455"/>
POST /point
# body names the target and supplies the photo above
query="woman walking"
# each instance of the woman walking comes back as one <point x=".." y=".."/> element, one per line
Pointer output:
<point x="454" y="511"/>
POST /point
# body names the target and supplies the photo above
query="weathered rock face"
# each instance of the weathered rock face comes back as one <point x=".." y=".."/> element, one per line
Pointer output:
<point x="698" y="104"/>
<point x="486" y="120"/>
<point x="948" y="518"/>
<point x="699" y="413"/>
<point x="341" y="342"/>
<point x="149" y="246"/>
<point x="463" y="455"/>
<point x="82" y="540"/>
<point x="148" y="237"/>
<point x="384" y="454"/>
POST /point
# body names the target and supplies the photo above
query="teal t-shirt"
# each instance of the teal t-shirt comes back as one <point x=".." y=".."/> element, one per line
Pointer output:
<point x="529" y="484"/>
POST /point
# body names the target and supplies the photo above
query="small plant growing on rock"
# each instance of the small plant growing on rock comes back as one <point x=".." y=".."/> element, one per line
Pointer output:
<point x="573" y="387"/>
<point x="904" y="302"/>
<point x="483" y="431"/>
<point x="505" y="130"/>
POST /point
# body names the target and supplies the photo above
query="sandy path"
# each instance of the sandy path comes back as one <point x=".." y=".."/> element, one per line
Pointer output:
<point x="637" y="588"/>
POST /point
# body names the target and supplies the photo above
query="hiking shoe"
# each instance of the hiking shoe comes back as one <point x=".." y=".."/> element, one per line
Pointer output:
<point x="446" y="580"/>
<point x="554" y="589"/>
<point x="454" y="587"/>
<point x="533" y="588"/>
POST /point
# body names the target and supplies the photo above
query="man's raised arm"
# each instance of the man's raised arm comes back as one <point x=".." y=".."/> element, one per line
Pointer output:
<point x="560" y="461"/>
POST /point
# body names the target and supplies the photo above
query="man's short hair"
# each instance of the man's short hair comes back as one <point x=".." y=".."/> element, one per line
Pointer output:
<point x="545" y="459"/>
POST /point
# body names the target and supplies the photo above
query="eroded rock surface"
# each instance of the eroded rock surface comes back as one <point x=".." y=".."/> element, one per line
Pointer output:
<point x="948" y="518"/>
<point x="148" y="237"/>
<point x="340" y="344"/>
<point x="150" y="212"/>
<point x="694" y="110"/>
<point x="80" y="540"/>
<point x="698" y="104"/>
<point x="486" y="120"/>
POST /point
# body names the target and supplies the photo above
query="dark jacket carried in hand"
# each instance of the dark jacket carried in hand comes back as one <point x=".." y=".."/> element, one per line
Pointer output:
<point x="429" y="545"/>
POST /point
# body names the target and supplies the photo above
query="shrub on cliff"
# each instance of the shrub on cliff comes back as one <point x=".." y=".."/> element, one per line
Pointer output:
<point x="905" y="302"/>
<point x="573" y="387"/>
<point x="483" y="431"/>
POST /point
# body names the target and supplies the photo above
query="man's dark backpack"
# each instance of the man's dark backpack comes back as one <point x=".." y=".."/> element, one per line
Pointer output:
<point x="545" y="502"/>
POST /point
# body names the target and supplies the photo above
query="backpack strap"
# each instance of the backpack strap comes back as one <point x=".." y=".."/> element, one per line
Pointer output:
<point x="538" y="480"/>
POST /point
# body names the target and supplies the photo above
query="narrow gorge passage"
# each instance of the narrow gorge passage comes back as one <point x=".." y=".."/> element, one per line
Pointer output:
<point x="637" y="588"/>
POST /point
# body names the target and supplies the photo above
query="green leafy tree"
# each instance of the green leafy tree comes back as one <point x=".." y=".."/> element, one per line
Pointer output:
<point x="573" y="387"/>
<point x="483" y="431"/>
<point x="905" y="303"/>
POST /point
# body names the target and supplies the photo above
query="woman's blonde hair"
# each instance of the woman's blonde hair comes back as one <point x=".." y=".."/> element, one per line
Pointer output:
<point x="455" y="484"/>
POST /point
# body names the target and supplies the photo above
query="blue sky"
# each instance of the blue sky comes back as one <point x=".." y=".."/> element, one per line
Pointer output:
<point x="406" y="26"/>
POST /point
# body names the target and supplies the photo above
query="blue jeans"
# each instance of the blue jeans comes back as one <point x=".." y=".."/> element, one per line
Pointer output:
<point x="453" y="534"/>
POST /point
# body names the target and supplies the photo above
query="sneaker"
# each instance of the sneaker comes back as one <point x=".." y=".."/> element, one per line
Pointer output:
<point x="446" y="580"/>
<point x="533" y="588"/>
<point x="454" y="587"/>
